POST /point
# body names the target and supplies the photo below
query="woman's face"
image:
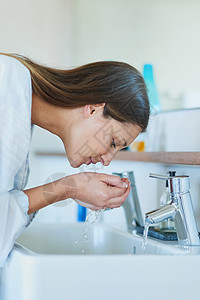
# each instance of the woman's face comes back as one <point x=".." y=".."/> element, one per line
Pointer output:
<point x="93" y="138"/>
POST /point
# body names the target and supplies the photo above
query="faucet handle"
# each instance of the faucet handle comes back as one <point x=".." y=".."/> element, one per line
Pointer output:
<point x="177" y="184"/>
<point x="165" y="177"/>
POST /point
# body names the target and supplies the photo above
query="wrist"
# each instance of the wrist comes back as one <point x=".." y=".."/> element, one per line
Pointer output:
<point x="67" y="187"/>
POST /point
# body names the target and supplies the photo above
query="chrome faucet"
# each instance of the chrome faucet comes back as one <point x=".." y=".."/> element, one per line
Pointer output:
<point x="179" y="209"/>
<point x="131" y="205"/>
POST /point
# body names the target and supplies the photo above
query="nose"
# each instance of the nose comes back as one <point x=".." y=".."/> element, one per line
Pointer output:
<point x="107" y="158"/>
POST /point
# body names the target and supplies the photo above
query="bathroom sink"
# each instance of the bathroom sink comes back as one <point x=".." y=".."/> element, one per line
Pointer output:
<point x="58" y="261"/>
<point x="77" y="238"/>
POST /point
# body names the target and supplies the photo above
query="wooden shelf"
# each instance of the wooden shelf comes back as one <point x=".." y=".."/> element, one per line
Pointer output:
<point x="186" y="158"/>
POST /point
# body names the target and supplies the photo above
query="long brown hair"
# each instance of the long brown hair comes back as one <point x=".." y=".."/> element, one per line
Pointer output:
<point x="120" y="86"/>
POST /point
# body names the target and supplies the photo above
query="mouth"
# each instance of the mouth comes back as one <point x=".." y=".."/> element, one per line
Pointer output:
<point x="91" y="160"/>
<point x="88" y="162"/>
<point x="102" y="161"/>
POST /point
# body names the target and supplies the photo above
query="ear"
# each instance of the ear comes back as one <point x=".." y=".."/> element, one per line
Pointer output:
<point x="91" y="109"/>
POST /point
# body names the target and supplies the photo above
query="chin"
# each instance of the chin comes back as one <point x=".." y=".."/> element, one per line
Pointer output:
<point x="73" y="164"/>
<point x="76" y="166"/>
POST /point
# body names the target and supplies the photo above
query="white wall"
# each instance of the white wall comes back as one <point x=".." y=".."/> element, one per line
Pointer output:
<point x="164" y="33"/>
<point x="67" y="33"/>
<point x="174" y="131"/>
<point x="42" y="30"/>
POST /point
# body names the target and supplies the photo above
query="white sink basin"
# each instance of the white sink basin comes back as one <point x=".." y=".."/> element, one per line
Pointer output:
<point x="64" y="239"/>
<point x="48" y="263"/>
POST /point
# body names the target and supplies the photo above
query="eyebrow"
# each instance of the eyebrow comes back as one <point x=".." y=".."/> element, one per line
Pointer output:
<point x="125" y="143"/>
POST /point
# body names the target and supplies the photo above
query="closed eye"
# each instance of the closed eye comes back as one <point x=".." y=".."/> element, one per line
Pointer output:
<point x="113" y="144"/>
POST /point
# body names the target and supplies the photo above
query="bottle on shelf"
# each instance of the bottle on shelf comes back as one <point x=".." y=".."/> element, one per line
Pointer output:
<point x="148" y="75"/>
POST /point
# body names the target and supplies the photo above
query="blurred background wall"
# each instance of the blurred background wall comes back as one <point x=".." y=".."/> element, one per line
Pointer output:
<point x="41" y="30"/>
<point x="69" y="33"/>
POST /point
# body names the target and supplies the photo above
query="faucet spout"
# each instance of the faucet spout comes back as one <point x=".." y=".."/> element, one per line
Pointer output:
<point x="179" y="209"/>
<point x="161" y="214"/>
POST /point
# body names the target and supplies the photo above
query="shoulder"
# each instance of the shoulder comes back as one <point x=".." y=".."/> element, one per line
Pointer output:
<point x="15" y="80"/>
<point x="15" y="112"/>
<point x="13" y="67"/>
<point x="15" y="88"/>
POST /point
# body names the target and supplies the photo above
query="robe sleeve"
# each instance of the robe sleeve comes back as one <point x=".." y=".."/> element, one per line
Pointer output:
<point x="15" y="136"/>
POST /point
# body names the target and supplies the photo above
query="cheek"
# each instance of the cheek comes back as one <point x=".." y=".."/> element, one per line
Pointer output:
<point x="99" y="147"/>
<point x="101" y="141"/>
<point x="87" y="141"/>
<point x="78" y="137"/>
<point x="72" y="143"/>
<point x="78" y="148"/>
<point x="81" y="146"/>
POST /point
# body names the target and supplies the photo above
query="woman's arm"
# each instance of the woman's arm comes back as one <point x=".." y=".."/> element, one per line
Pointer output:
<point x="49" y="193"/>
<point x="94" y="190"/>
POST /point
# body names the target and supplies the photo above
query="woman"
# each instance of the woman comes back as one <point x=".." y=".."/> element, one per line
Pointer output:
<point x="96" y="110"/>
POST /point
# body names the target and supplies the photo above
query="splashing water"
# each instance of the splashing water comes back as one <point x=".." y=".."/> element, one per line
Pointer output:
<point x="91" y="218"/>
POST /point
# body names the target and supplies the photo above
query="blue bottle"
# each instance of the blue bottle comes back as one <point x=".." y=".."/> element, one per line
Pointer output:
<point x="81" y="213"/>
<point x="151" y="88"/>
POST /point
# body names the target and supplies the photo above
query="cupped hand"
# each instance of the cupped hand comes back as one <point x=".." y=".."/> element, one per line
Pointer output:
<point x="99" y="190"/>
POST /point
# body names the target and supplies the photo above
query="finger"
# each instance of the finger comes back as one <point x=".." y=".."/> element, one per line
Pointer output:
<point x="118" y="201"/>
<point x="113" y="180"/>
<point x="113" y="192"/>
<point x="95" y="208"/>
<point x="117" y="192"/>
<point x="125" y="179"/>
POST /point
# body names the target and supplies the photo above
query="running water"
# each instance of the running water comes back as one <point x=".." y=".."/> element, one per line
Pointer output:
<point x="91" y="218"/>
<point x="145" y="234"/>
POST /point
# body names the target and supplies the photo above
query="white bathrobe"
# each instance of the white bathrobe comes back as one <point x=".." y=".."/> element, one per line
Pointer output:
<point x="15" y="137"/>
